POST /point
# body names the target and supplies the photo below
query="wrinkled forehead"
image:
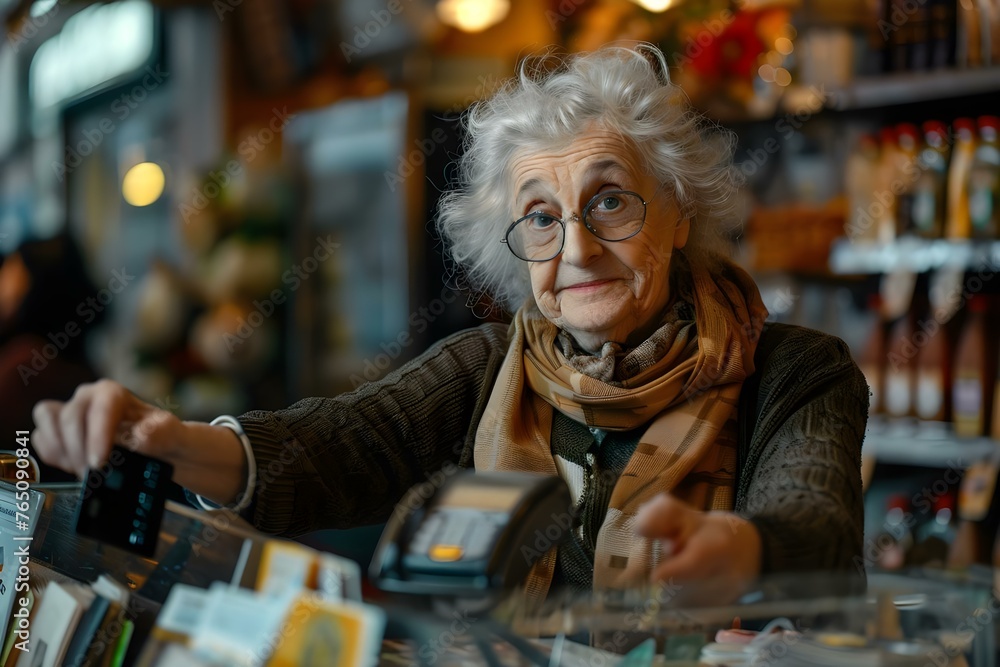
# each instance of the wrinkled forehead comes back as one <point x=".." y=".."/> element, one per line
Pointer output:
<point x="593" y="155"/>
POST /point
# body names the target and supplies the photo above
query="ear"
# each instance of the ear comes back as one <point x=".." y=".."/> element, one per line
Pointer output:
<point x="681" y="233"/>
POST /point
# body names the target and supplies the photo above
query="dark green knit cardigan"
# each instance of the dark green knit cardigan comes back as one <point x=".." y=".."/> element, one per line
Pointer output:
<point x="345" y="461"/>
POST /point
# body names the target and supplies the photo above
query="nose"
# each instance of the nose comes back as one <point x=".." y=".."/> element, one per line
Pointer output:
<point x="580" y="247"/>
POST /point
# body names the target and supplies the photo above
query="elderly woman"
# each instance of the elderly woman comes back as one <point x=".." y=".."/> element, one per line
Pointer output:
<point x="700" y="443"/>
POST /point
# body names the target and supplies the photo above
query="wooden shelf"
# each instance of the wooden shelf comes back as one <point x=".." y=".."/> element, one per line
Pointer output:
<point x="910" y="87"/>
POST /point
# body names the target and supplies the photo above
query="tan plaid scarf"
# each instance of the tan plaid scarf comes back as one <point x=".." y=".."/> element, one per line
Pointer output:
<point x="685" y="393"/>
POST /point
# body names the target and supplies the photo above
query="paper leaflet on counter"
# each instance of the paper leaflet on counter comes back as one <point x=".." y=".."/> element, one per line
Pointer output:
<point x="288" y="566"/>
<point x="246" y="628"/>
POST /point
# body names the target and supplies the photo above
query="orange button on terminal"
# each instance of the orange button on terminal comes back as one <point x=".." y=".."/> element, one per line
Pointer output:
<point x="446" y="553"/>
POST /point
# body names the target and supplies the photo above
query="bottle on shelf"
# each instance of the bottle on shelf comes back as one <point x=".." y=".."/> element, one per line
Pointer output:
<point x="942" y="34"/>
<point x="972" y="389"/>
<point x="932" y="359"/>
<point x="984" y="182"/>
<point x="936" y="536"/>
<point x="895" y="540"/>
<point x="963" y="152"/>
<point x="907" y="156"/>
<point x="860" y="170"/>
<point x="918" y="23"/>
<point x="928" y="210"/>
<point x="885" y="175"/>
<point x="899" y="369"/>
<point x="869" y="358"/>
<point x="977" y="515"/>
<point x="991" y="10"/>
<point x="969" y="41"/>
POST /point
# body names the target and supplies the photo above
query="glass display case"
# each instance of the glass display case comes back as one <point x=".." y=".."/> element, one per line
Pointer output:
<point x="920" y="618"/>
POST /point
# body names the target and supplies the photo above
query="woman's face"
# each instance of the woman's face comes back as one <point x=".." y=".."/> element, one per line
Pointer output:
<point x="599" y="290"/>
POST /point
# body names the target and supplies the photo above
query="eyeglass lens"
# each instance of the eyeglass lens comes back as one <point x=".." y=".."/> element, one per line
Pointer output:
<point x="611" y="216"/>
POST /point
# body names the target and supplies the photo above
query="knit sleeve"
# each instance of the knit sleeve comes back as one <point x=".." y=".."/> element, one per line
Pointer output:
<point x="345" y="461"/>
<point x="804" y="493"/>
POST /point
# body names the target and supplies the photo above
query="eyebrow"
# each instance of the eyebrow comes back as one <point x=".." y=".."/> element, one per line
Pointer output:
<point x="600" y="166"/>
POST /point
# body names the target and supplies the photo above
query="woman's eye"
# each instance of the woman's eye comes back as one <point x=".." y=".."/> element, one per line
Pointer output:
<point x="610" y="203"/>
<point x="541" y="221"/>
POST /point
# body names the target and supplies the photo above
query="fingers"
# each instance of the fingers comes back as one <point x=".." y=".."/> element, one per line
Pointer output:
<point x="72" y="429"/>
<point x="103" y="417"/>
<point x="79" y="433"/>
<point x="45" y="438"/>
<point x="667" y="518"/>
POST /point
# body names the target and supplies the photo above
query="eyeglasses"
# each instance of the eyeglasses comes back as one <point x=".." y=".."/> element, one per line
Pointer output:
<point x="613" y="215"/>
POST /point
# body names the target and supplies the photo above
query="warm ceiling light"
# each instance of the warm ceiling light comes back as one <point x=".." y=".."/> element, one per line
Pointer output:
<point x="655" y="5"/>
<point x="783" y="45"/>
<point x="143" y="184"/>
<point x="472" y="15"/>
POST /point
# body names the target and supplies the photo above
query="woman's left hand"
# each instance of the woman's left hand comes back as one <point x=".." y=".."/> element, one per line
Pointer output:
<point x="717" y="553"/>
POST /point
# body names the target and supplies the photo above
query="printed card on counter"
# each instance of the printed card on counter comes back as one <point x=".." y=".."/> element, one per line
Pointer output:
<point x="181" y="614"/>
<point x="287" y="566"/>
<point x="322" y="632"/>
<point x="239" y="626"/>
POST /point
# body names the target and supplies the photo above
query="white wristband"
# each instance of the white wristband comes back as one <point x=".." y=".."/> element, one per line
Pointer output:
<point x="234" y="425"/>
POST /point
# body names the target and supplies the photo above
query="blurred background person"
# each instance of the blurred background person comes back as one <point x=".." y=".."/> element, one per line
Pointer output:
<point x="43" y="283"/>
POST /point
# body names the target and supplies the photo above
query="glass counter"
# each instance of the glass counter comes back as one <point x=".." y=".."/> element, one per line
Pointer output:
<point x="921" y="618"/>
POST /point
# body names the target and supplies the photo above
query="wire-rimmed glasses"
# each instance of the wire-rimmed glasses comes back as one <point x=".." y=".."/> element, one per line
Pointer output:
<point x="612" y="215"/>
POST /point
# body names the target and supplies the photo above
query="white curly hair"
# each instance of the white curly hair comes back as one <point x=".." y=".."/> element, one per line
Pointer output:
<point x="551" y="101"/>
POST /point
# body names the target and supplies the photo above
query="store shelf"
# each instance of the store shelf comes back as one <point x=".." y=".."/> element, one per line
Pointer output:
<point x="907" y="88"/>
<point x="927" y="444"/>
<point x="849" y="257"/>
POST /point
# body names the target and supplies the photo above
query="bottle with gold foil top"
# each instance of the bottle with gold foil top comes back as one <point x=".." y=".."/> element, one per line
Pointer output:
<point x="958" y="224"/>
<point x="969" y="389"/>
<point x="984" y="182"/>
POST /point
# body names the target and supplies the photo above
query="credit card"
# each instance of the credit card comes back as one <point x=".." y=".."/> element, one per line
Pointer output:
<point x="122" y="503"/>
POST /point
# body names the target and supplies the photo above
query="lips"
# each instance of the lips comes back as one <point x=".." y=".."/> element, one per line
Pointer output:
<point x="590" y="284"/>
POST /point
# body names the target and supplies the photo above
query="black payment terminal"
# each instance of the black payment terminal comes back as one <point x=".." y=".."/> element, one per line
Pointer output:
<point x="480" y="532"/>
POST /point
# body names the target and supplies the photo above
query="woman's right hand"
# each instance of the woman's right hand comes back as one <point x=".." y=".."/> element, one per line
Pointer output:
<point x="79" y="433"/>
